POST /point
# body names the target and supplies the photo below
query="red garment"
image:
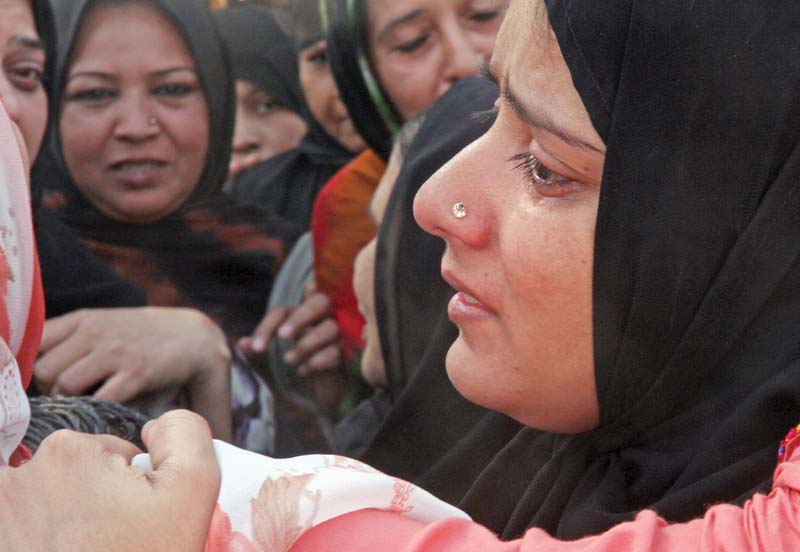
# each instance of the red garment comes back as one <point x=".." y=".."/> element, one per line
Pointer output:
<point x="340" y="228"/>
<point x="768" y="523"/>
<point x="21" y="294"/>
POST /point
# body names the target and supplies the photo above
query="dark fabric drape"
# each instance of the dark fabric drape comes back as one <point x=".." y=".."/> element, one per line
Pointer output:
<point x="262" y="53"/>
<point x="73" y="278"/>
<point x="697" y="266"/>
<point x="288" y="183"/>
<point x="410" y="293"/>
<point x="428" y="431"/>
<point x="211" y="254"/>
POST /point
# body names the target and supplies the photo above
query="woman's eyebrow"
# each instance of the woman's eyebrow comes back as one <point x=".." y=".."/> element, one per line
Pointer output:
<point x="26" y="42"/>
<point x="538" y="118"/>
<point x="165" y="72"/>
<point x="111" y="77"/>
<point x="93" y="74"/>
<point x="397" y="21"/>
<point x="541" y="119"/>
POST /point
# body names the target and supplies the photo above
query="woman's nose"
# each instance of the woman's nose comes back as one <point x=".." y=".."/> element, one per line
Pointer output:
<point x="137" y="120"/>
<point x="450" y="204"/>
<point x="461" y="60"/>
<point x="244" y="139"/>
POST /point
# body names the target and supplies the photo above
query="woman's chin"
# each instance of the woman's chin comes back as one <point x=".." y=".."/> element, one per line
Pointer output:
<point x="467" y="373"/>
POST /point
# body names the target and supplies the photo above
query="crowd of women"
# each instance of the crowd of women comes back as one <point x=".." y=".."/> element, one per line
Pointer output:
<point x="508" y="275"/>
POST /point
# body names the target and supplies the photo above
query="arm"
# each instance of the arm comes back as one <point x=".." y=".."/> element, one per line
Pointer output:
<point x="79" y="492"/>
<point x="125" y="353"/>
<point x="766" y="523"/>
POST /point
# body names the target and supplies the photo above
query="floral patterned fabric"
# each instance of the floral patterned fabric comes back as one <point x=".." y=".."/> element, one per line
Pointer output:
<point x="266" y="504"/>
<point x="21" y="297"/>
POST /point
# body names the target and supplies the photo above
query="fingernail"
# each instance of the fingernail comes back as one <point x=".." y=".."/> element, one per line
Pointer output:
<point x="259" y="344"/>
<point x="290" y="357"/>
<point x="286" y="331"/>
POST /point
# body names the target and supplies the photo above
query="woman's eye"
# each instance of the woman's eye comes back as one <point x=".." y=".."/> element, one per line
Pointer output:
<point x="174" y="90"/>
<point x="27" y="77"/>
<point x="92" y="95"/>
<point x="539" y="177"/>
<point x="412" y="45"/>
<point x="262" y="108"/>
<point x="318" y="58"/>
<point x="484" y="16"/>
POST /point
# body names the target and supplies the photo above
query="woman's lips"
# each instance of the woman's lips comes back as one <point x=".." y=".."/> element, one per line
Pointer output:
<point x="465" y="308"/>
<point x="138" y="173"/>
<point x="465" y="304"/>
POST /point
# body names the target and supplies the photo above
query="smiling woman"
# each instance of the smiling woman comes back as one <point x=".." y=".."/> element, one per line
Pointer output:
<point x="141" y="143"/>
<point x="134" y="123"/>
<point x="138" y="151"/>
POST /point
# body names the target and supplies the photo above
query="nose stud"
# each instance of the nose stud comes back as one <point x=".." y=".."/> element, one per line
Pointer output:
<point x="152" y="121"/>
<point x="459" y="210"/>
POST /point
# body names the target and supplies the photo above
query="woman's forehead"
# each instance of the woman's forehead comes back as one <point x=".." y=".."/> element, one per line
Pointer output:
<point x="534" y="78"/>
<point x="16" y="13"/>
<point x="110" y="34"/>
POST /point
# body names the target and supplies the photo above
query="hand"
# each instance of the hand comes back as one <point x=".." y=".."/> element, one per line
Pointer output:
<point x="80" y="493"/>
<point x="131" y="352"/>
<point x="316" y="350"/>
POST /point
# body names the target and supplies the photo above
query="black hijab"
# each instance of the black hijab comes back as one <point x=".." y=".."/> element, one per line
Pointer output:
<point x="697" y="266"/>
<point x="289" y="183"/>
<point x="72" y="277"/>
<point x="262" y="53"/>
<point x="211" y="254"/>
<point x="370" y="108"/>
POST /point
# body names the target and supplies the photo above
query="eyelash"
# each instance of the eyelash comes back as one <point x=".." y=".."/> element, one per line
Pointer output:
<point x="93" y="95"/>
<point x="412" y="45"/>
<point x="548" y="183"/>
<point x="318" y="58"/>
<point x="27" y="77"/>
<point x="174" y="90"/>
<point x="266" y="107"/>
<point x="419" y="42"/>
<point x="484" y="17"/>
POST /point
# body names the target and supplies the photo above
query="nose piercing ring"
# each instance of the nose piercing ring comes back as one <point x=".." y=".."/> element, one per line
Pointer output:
<point x="152" y="121"/>
<point x="459" y="210"/>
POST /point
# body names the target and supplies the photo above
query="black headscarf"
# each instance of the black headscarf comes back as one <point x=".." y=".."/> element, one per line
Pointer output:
<point x="262" y="53"/>
<point x="289" y="183"/>
<point x="696" y="272"/>
<point x="213" y="254"/>
<point x="370" y="108"/>
<point x="72" y="277"/>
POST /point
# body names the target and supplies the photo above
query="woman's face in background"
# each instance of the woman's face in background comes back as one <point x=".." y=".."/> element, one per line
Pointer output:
<point x="419" y="48"/>
<point x="521" y="259"/>
<point x="264" y="127"/>
<point x="23" y="59"/>
<point x="134" y="121"/>
<point x="323" y="99"/>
